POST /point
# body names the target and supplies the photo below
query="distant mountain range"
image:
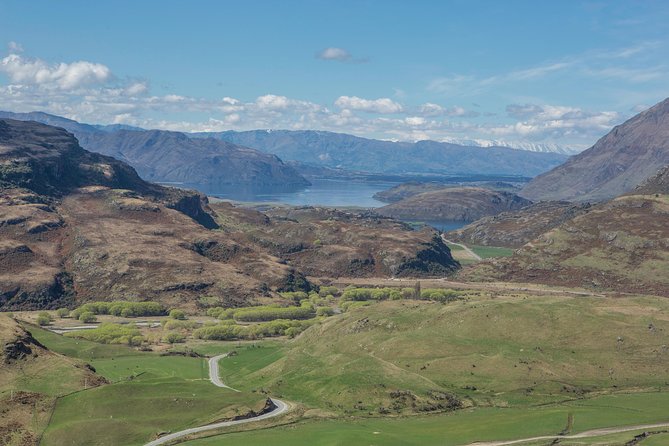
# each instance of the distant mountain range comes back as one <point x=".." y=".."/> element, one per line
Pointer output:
<point x="165" y="156"/>
<point x="617" y="163"/>
<point x="529" y="146"/>
<point x="224" y="158"/>
<point x="338" y="150"/>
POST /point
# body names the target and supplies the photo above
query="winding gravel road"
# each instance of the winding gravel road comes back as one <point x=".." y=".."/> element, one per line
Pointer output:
<point x="280" y="408"/>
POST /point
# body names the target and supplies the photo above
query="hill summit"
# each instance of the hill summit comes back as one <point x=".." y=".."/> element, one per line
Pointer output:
<point x="616" y="164"/>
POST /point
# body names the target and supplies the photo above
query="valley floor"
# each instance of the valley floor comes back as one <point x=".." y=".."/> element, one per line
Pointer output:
<point x="501" y="362"/>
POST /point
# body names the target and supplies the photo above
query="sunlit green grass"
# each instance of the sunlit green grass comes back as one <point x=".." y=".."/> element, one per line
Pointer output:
<point x="150" y="394"/>
<point x="463" y="427"/>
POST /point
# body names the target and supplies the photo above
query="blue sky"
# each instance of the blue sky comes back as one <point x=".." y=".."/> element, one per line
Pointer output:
<point x="561" y="72"/>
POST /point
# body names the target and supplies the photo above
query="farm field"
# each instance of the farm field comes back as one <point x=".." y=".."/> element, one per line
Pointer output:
<point x="473" y="366"/>
<point x="465" y="427"/>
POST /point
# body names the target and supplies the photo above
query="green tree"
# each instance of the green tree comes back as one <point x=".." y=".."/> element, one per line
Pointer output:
<point x="178" y="315"/>
<point x="44" y="318"/>
<point x="87" y="317"/>
<point x="62" y="312"/>
<point x="174" y="338"/>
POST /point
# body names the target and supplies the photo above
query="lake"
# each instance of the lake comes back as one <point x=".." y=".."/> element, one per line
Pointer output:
<point x="322" y="192"/>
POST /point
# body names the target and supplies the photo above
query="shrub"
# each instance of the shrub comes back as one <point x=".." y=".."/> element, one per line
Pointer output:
<point x="351" y="305"/>
<point x="121" y="308"/>
<point x="87" y="317"/>
<point x="361" y="294"/>
<point x="180" y="325"/>
<point x="439" y="294"/>
<point x="62" y="312"/>
<point x="174" y="338"/>
<point x="266" y="313"/>
<point x="221" y="313"/>
<point x="324" y="311"/>
<point x="178" y="314"/>
<point x="295" y="296"/>
<point x="110" y="334"/>
<point x="228" y="332"/>
<point x="325" y="290"/>
<point x="44" y="318"/>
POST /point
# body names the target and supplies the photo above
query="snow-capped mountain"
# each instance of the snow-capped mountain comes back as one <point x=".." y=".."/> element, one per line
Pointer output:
<point x="529" y="146"/>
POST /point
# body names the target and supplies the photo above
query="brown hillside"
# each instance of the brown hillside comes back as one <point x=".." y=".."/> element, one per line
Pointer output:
<point x="455" y="204"/>
<point x="514" y="229"/>
<point x="77" y="226"/>
<point x="617" y="163"/>
<point x="621" y="245"/>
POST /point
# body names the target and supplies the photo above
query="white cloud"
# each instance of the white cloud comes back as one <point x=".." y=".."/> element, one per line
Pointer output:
<point x="430" y="109"/>
<point x="333" y="53"/>
<point x="381" y="105"/>
<point x="64" y="76"/>
<point x="272" y="102"/>
<point x="137" y="88"/>
<point x="14" y="47"/>
<point x="554" y="122"/>
<point x="414" y="121"/>
<point x="90" y="93"/>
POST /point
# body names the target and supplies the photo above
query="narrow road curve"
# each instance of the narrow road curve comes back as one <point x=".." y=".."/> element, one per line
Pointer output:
<point x="466" y="248"/>
<point x="586" y="434"/>
<point x="214" y="377"/>
<point x="280" y="408"/>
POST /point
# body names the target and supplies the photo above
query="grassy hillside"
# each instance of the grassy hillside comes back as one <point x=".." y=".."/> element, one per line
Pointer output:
<point x="149" y="394"/>
<point x="27" y="386"/>
<point x="400" y="357"/>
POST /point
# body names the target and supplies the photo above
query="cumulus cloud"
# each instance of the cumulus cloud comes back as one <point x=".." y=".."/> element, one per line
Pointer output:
<point x="89" y="92"/>
<point x="542" y="122"/>
<point x="333" y="53"/>
<point x="65" y="76"/>
<point x="272" y="102"/>
<point x="381" y="105"/>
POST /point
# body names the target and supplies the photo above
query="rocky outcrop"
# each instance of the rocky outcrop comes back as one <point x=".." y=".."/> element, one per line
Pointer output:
<point x="657" y="184"/>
